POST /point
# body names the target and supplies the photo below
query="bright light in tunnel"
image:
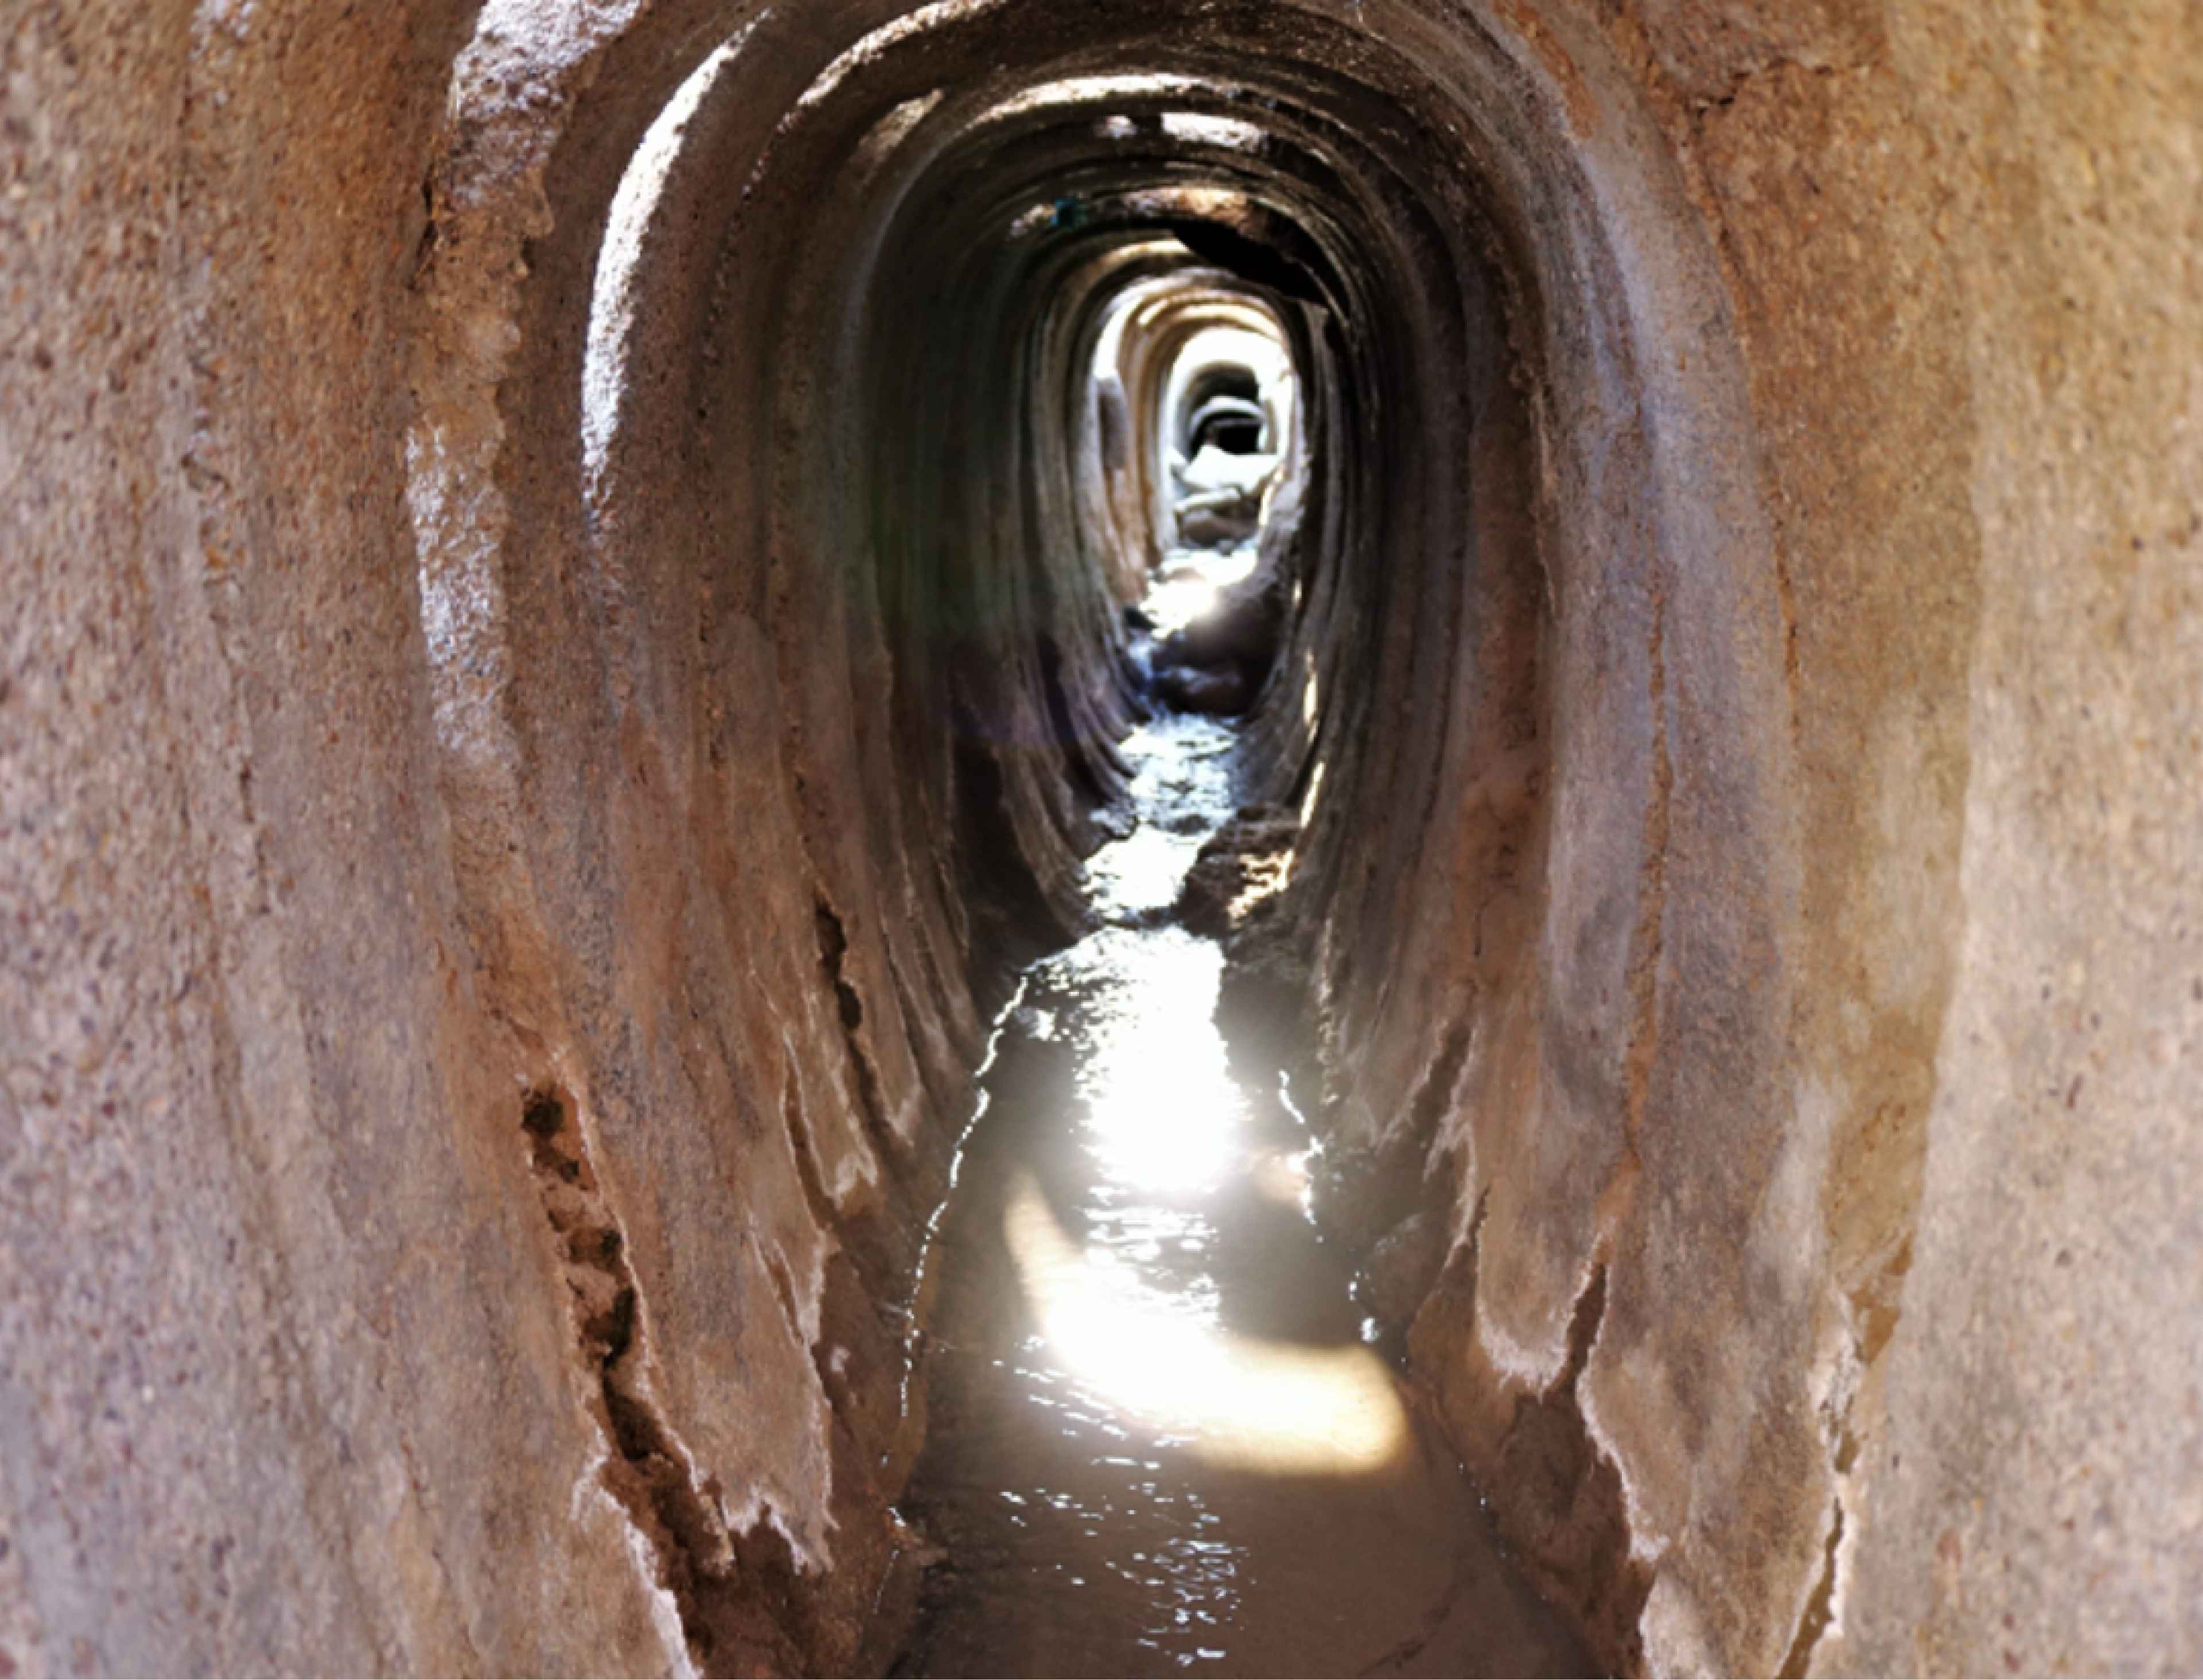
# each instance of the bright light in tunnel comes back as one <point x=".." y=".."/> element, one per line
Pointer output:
<point x="1162" y="1110"/>
<point x="1275" y="1408"/>
<point x="1282" y="1177"/>
<point x="1190" y="583"/>
<point x="1166" y="1127"/>
<point x="1223" y="438"/>
<point x="1262" y="354"/>
<point x="1194" y="404"/>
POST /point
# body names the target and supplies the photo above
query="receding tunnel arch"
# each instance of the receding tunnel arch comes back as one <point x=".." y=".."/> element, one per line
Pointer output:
<point x="823" y="563"/>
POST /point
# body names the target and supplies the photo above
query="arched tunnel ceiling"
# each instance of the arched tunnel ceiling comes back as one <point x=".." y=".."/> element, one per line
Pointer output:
<point x="859" y="322"/>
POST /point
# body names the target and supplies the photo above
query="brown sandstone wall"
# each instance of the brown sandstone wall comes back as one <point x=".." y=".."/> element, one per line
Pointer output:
<point x="1906" y="1340"/>
<point x="286" y="1381"/>
<point x="460" y="1106"/>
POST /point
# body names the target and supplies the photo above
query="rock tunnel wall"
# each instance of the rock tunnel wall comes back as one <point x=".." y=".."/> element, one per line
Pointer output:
<point x="558" y="627"/>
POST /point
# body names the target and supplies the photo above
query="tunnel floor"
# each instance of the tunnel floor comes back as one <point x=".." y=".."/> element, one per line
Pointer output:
<point x="1158" y="1441"/>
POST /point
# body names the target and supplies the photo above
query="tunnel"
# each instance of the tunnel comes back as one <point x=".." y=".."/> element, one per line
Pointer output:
<point x="595" y="590"/>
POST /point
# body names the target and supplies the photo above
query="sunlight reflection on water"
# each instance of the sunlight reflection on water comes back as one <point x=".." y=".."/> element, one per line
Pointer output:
<point x="1155" y="1445"/>
<point x="1275" y="1407"/>
<point x="1166" y="1126"/>
<point x="1162" y="1110"/>
<point x="1181" y="791"/>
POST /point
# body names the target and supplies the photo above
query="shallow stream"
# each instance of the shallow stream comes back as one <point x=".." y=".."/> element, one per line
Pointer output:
<point x="1158" y="1441"/>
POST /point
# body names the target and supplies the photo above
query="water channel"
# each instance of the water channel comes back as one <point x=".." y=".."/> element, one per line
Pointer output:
<point x="1158" y="1440"/>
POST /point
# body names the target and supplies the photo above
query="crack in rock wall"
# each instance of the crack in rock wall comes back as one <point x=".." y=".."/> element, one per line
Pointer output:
<point x="561" y="562"/>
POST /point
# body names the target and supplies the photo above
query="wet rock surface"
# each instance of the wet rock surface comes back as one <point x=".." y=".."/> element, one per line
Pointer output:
<point x="1247" y="862"/>
<point x="1214" y="693"/>
<point x="1157" y="1442"/>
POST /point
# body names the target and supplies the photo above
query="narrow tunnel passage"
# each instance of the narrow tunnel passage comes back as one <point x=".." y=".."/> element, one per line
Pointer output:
<point x="1027" y="386"/>
<point x="1156" y="1439"/>
<point x="611" y="606"/>
<point x="1153" y="1436"/>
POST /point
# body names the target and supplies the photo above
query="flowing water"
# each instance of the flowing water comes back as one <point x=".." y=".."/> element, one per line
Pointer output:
<point x="1157" y="1440"/>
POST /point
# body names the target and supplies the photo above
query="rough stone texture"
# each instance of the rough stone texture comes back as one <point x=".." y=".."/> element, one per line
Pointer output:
<point x="495" y="628"/>
<point x="1962" y="260"/>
